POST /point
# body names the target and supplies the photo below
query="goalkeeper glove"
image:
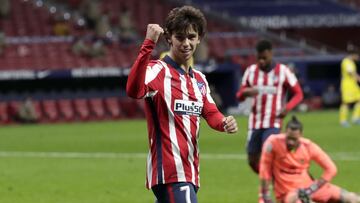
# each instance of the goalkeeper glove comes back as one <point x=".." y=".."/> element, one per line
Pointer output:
<point x="265" y="195"/>
<point x="267" y="200"/>
<point x="305" y="193"/>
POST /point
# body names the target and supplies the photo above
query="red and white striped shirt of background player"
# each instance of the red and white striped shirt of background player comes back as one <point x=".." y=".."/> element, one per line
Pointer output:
<point x="272" y="86"/>
<point x="174" y="102"/>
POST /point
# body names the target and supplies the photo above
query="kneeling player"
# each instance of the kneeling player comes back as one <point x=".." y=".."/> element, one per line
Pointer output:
<point x="285" y="160"/>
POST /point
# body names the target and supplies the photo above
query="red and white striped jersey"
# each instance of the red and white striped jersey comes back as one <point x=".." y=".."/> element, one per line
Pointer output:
<point x="272" y="87"/>
<point x="174" y="102"/>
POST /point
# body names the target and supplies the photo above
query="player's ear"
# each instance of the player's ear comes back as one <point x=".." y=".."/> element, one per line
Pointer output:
<point x="168" y="40"/>
<point x="167" y="37"/>
<point x="199" y="40"/>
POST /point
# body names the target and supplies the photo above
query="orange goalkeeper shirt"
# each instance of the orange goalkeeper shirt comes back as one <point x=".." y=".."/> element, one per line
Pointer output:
<point x="289" y="169"/>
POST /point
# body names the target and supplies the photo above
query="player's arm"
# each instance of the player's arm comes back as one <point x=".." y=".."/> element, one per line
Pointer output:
<point x="297" y="93"/>
<point x="245" y="89"/>
<point x="245" y="92"/>
<point x="215" y="118"/>
<point x="135" y="86"/>
<point x="325" y="162"/>
<point x="354" y="75"/>
<point x="265" y="191"/>
<point x="350" y="69"/>
<point x="321" y="158"/>
<point x="265" y="174"/>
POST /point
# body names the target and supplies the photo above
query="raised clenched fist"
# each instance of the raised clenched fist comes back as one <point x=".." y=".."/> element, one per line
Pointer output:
<point x="153" y="32"/>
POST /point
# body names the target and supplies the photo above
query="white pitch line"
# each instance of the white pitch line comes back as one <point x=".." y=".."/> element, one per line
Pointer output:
<point x="73" y="155"/>
<point x="338" y="156"/>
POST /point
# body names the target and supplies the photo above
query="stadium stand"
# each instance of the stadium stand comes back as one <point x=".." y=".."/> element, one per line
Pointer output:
<point x="66" y="109"/>
<point x="51" y="112"/>
<point x="353" y="3"/>
<point x="275" y="7"/>
<point x="34" y="52"/>
<point x="96" y="106"/>
<point x="113" y="107"/>
<point x="77" y="109"/>
<point x="82" y="109"/>
<point x="4" y="117"/>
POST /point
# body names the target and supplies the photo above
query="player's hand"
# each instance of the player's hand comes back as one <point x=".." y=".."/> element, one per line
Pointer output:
<point x="266" y="199"/>
<point x="251" y="92"/>
<point x="230" y="124"/>
<point x="305" y="193"/>
<point x="304" y="196"/>
<point x="265" y="196"/>
<point x="283" y="113"/>
<point x="153" y="32"/>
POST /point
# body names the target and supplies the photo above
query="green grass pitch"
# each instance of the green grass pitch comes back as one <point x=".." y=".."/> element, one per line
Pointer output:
<point x="104" y="162"/>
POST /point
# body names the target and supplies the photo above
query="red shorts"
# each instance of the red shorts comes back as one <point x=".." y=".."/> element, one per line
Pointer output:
<point x="326" y="194"/>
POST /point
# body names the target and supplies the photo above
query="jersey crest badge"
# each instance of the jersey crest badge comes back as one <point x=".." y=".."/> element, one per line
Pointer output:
<point x="202" y="87"/>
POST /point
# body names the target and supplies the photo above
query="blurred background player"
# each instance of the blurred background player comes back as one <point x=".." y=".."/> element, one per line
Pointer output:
<point x="267" y="82"/>
<point x="285" y="162"/>
<point x="176" y="96"/>
<point x="24" y="111"/>
<point x="350" y="91"/>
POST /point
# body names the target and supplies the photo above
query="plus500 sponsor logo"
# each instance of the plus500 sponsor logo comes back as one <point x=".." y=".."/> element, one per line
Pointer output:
<point x="267" y="90"/>
<point x="185" y="107"/>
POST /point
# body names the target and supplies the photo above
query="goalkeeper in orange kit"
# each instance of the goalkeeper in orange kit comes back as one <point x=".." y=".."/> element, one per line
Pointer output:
<point x="285" y="161"/>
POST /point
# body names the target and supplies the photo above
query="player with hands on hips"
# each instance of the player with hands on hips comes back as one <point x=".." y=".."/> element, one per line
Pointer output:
<point x="266" y="82"/>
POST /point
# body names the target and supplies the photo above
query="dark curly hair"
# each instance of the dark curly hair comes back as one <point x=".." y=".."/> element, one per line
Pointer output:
<point x="179" y="19"/>
<point x="263" y="45"/>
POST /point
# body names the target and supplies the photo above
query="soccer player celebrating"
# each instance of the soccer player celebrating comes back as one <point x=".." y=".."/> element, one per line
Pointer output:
<point x="176" y="95"/>
<point x="285" y="161"/>
<point x="350" y="91"/>
<point x="267" y="82"/>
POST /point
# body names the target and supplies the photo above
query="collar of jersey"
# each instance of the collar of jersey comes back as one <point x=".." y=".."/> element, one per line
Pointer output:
<point x="173" y="64"/>
<point x="272" y="67"/>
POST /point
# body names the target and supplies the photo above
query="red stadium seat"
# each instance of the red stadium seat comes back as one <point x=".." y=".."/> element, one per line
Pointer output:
<point x="113" y="108"/>
<point x="131" y="108"/>
<point x="4" y="116"/>
<point x="38" y="110"/>
<point x="82" y="109"/>
<point x="51" y="113"/>
<point x="97" y="107"/>
<point x="66" y="109"/>
<point x="13" y="109"/>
